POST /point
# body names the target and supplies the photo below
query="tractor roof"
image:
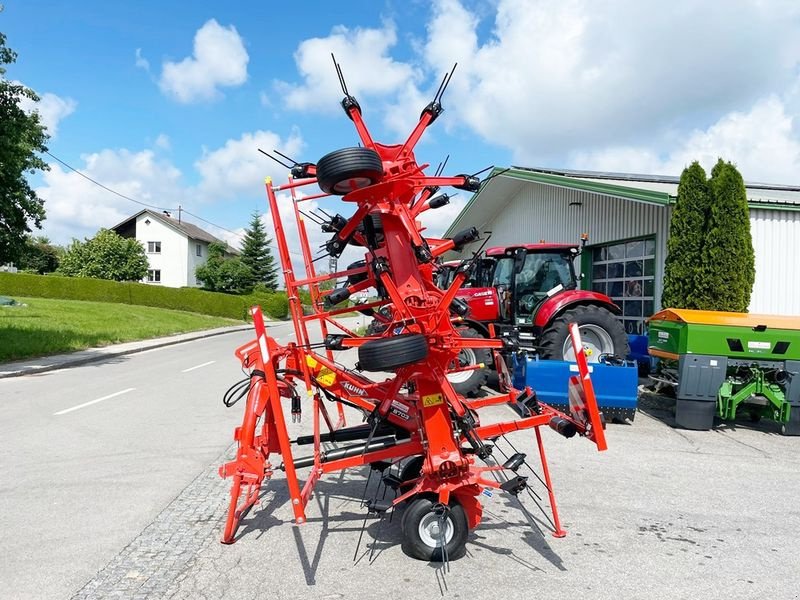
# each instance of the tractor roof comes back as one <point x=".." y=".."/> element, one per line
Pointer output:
<point x="501" y="250"/>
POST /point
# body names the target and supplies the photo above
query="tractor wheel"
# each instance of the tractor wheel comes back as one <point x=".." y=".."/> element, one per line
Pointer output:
<point x="387" y="354"/>
<point x="348" y="169"/>
<point x="601" y="333"/>
<point x="469" y="383"/>
<point x="428" y="528"/>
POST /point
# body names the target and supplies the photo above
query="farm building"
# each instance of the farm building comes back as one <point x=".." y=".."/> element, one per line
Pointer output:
<point x="627" y="218"/>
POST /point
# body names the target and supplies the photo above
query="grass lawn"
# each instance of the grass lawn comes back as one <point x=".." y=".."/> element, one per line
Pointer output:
<point x="47" y="326"/>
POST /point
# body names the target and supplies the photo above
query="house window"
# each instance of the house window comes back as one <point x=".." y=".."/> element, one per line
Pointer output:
<point x="199" y="249"/>
<point x="154" y="275"/>
<point x="154" y="247"/>
<point x="626" y="273"/>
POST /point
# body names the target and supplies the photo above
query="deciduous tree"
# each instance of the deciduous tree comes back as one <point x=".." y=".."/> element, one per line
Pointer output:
<point x="21" y="136"/>
<point x="105" y="256"/>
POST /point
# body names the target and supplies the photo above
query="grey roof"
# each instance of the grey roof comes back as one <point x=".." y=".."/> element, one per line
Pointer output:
<point x="769" y="193"/>
<point x="191" y="230"/>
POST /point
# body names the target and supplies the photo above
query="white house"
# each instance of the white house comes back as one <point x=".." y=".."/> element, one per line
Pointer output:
<point x="174" y="247"/>
<point x="627" y="217"/>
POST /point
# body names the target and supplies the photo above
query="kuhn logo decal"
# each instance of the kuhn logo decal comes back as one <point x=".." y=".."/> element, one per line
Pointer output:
<point x="353" y="389"/>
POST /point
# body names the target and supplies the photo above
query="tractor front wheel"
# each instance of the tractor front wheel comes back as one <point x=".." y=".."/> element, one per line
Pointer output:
<point x="469" y="383"/>
<point x="434" y="532"/>
<point x="601" y="333"/>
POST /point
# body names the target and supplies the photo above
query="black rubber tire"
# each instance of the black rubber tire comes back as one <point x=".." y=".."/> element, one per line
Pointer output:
<point x="410" y="470"/>
<point x="342" y="171"/>
<point x="377" y="228"/>
<point x="551" y="343"/>
<point x="390" y="353"/>
<point x="354" y="279"/>
<point x="415" y="547"/>
<point x="477" y="379"/>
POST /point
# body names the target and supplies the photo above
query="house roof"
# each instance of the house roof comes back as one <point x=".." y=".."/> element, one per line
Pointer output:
<point x="503" y="184"/>
<point x="190" y="230"/>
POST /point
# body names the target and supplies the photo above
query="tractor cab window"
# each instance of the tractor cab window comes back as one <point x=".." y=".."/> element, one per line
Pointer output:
<point x="503" y="273"/>
<point x="542" y="275"/>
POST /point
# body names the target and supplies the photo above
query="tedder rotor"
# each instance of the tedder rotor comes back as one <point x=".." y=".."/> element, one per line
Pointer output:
<point x="428" y="440"/>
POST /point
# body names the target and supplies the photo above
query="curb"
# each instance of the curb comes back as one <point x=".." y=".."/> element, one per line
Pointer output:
<point x="82" y="357"/>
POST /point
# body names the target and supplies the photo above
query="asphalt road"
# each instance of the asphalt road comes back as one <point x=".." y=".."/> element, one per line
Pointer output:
<point x="90" y="455"/>
<point x="121" y="499"/>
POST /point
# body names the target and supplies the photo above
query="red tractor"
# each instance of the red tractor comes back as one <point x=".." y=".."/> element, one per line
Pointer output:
<point x="533" y="287"/>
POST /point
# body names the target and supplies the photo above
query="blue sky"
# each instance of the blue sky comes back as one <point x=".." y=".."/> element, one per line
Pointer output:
<point x="167" y="101"/>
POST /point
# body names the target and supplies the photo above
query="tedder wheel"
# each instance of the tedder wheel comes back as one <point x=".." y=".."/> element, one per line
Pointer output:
<point x="601" y="333"/>
<point x="424" y="528"/>
<point x="469" y="383"/>
<point x="390" y="353"/>
<point x="377" y="227"/>
<point x="348" y="169"/>
<point x="410" y="469"/>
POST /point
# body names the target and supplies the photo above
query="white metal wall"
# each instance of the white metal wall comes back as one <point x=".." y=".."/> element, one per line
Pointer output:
<point x="776" y="241"/>
<point x="543" y="212"/>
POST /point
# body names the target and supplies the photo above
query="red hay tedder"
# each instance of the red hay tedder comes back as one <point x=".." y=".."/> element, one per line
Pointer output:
<point x="426" y="439"/>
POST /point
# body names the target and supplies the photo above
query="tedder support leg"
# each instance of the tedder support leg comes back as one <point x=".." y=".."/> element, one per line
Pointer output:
<point x="559" y="532"/>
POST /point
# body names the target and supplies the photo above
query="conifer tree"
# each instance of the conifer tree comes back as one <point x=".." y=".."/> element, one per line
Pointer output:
<point x="727" y="263"/>
<point x="685" y="243"/>
<point x="257" y="255"/>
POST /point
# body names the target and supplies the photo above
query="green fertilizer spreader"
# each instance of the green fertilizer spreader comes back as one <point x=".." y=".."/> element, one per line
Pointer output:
<point x="730" y="365"/>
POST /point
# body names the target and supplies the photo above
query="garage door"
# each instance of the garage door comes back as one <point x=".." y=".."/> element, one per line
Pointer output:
<point x="625" y="271"/>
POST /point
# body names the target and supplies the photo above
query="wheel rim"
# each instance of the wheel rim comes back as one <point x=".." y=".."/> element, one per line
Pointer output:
<point x="429" y="531"/>
<point x="596" y="342"/>
<point x="348" y="185"/>
<point x="466" y="358"/>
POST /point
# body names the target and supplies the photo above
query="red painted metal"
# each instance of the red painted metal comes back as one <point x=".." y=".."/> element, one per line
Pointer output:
<point x="561" y="302"/>
<point x="418" y="400"/>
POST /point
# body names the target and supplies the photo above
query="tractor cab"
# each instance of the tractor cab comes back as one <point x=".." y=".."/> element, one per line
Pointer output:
<point x="526" y="276"/>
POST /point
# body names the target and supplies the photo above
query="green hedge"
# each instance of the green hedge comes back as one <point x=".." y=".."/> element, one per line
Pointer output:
<point x="101" y="290"/>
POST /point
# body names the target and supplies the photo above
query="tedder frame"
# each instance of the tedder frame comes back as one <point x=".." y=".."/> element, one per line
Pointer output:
<point x="414" y="419"/>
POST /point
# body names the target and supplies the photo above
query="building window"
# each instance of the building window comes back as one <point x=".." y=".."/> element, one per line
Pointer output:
<point x="626" y="273"/>
<point x="153" y="275"/>
<point x="199" y="249"/>
<point x="154" y="247"/>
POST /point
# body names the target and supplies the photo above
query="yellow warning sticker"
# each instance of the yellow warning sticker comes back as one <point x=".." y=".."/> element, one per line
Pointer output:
<point x="326" y="377"/>
<point x="311" y="361"/>
<point x="432" y="400"/>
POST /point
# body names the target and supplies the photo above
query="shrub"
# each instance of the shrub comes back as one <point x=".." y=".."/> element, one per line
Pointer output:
<point x="100" y="290"/>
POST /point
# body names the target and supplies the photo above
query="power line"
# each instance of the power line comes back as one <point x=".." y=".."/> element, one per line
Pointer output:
<point x="108" y="189"/>
<point x="161" y="208"/>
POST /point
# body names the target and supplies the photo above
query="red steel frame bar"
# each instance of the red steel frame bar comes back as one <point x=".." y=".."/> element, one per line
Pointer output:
<point x="418" y="307"/>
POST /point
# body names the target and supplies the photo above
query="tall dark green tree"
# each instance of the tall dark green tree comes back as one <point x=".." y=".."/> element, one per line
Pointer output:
<point x="257" y="255"/>
<point x="105" y="256"/>
<point x="21" y="136"/>
<point x="686" y="235"/>
<point x="727" y="262"/>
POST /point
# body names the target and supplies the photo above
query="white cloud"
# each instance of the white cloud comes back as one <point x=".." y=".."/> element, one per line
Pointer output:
<point x="141" y="61"/>
<point x="162" y="141"/>
<point x="556" y="76"/>
<point x="762" y="142"/>
<point x="239" y="168"/>
<point x="219" y="59"/>
<point x="363" y="54"/>
<point x="77" y="208"/>
<point x="51" y="109"/>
